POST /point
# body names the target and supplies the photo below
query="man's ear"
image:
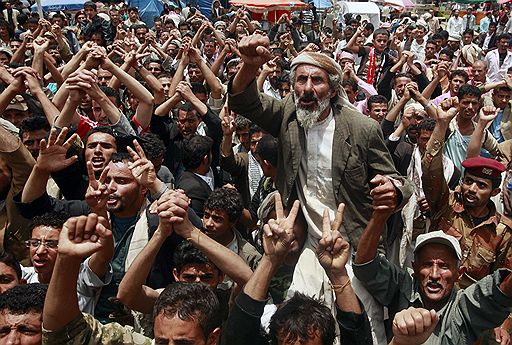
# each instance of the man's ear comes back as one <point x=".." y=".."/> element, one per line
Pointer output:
<point x="175" y="274"/>
<point x="213" y="338"/>
<point x="495" y="192"/>
<point x="462" y="270"/>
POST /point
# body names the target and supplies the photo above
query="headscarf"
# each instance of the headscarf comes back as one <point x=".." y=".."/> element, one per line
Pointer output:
<point x="329" y="65"/>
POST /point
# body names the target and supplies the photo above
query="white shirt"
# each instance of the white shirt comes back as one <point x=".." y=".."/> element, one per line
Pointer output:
<point x="419" y="49"/>
<point x="269" y="90"/>
<point x="208" y="178"/>
<point x="314" y="184"/>
<point x="495" y="72"/>
<point x="454" y="26"/>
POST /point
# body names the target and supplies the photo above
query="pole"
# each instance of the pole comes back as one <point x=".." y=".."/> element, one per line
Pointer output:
<point x="39" y="9"/>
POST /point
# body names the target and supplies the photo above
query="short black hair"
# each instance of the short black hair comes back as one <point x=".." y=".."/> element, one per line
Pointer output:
<point x="299" y="318"/>
<point x="436" y="36"/>
<point x="468" y="32"/>
<point x="468" y="90"/>
<point x="381" y="31"/>
<point x="427" y="125"/>
<point x="34" y="123"/>
<point x="459" y="73"/>
<point x="190" y="301"/>
<point x="54" y="219"/>
<point x="350" y="83"/>
<point x="153" y="146"/>
<point x="226" y="199"/>
<point x="254" y="128"/>
<point x="121" y="157"/>
<point x="194" y="149"/>
<point x="268" y="149"/>
<point x="242" y="122"/>
<point x="111" y="92"/>
<point x="187" y="254"/>
<point x="90" y="4"/>
<point x="447" y="51"/>
<point x="24" y="299"/>
<point x="198" y="88"/>
<point x="101" y="129"/>
<point x="503" y="36"/>
<point x="10" y="260"/>
<point x="375" y="99"/>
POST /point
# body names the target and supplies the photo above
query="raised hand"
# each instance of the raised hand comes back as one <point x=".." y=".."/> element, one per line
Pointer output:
<point x="194" y="55"/>
<point x="52" y="152"/>
<point x="41" y="44"/>
<point x="333" y="250"/>
<point x="384" y="195"/>
<point x="227" y="122"/>
<point x="254" y="50"/>
<point x="97" y="192"/>
<point x="278" y="233"/>
<point x="83" y="236"/>
<point x="488" y="114"/>
<point x="448" y="109"/>
<point x="185" y="90"/>
<point x="413" y="326"/>
<point x="172" y="208"/>
<point x="142" y="168"/>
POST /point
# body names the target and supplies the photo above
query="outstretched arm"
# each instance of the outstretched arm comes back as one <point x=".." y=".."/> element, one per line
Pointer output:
<point x="227" y="261"/>
<point x="79" y="238"/>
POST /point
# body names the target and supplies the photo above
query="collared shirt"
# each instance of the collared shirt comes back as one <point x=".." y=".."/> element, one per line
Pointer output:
<point x="495" y="71"/>
<point x="269" y="90"/>
<point x="486" y="245"/>
<point x="484" y="24"/>
<point x="314" y="184"/>
<point x="208" y="178"/>
<point x="466" y="314"/>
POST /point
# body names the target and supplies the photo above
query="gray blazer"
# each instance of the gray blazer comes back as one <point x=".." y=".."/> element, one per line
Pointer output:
<point x="359" y="153"/>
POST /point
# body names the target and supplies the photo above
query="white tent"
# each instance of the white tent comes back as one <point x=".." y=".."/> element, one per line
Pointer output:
<point x="365" y="9"/>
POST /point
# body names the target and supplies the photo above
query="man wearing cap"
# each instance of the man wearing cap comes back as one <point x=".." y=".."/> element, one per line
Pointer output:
<point x="343" y="155"/>
<point x="16" y="111"/>
<point x="463" y="314"/>
<point x="468" y="213"/>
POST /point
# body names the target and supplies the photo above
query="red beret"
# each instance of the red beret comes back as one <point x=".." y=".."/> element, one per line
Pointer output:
<point x="484" y="167"/>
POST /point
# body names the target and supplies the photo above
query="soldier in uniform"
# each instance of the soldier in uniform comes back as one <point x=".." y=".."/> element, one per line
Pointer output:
<point x="468" y="213"/>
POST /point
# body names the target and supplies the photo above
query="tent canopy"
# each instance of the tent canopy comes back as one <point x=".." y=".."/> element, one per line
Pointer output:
<point x="323" y="3"/>
<point x="60" y="5"/>
<point x="369" y="9"/>
<point x="400" y="3"/>
<point x="260" y="6"/>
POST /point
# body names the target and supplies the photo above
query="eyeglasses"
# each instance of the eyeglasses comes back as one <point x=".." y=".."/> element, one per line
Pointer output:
<point x="35" y="243"/>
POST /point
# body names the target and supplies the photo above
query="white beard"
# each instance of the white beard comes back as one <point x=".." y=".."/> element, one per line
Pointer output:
<point x="307" y="118"/>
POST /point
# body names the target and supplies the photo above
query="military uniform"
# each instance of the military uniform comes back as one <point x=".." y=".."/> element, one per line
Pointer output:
<point x="85" y="330"/>
<point x="486" y="244"/>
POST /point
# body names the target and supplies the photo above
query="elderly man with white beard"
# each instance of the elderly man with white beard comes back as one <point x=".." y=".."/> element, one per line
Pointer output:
<point x="329" y="154"/>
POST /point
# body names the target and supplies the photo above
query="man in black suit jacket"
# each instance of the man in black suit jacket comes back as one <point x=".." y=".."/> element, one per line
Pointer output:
<point x="174" y="132"/>
<point x="314" y="35"/>
<point x="199" y="179"/>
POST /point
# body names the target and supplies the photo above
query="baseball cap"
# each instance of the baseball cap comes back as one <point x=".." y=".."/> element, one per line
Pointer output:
<point x="17" y="103"/>
<point x="441" y="238"/>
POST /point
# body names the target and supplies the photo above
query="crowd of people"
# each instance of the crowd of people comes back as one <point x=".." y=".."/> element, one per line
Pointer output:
<point x="226" y="180"/>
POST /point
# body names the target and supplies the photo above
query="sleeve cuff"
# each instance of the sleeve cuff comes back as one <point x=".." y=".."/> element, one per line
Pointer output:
<point x="250" y="306"/>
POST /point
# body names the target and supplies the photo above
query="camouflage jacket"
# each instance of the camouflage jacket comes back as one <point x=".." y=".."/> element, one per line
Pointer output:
<point x="86" y="330"/>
